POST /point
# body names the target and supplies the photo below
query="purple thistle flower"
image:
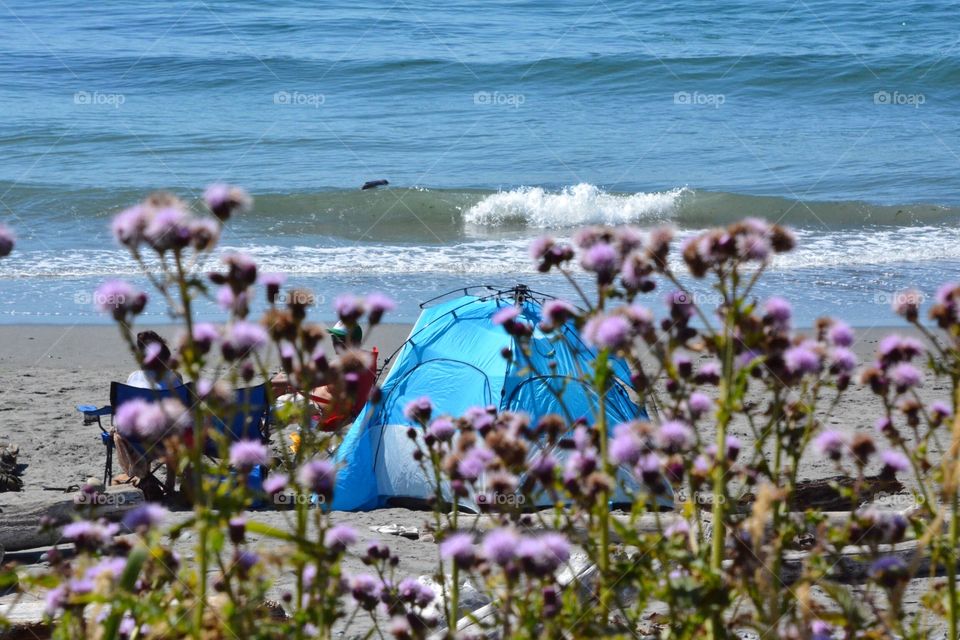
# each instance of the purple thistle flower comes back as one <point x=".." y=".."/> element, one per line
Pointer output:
<point x="55" y="599"/>
<point x="168" y="228"/>
<point x="680" y="304"/>
<point x="601" y="259"/>
<point x="339" y="537"/>
<point x="275" y="483"/>
<point x="801" y="360"/>
<point x="607" y="332"/>
<point x="779" y="311"/>
<point x="679" y="528"/>
<point x="242" y="338"/>
<point x="907" y="303"/>
<point x="555" y="313"/>
<point x="128" y="225"/>
<point x="883" y="425"/>
<point x="582" y="438"/>
<point x="232" y="301"/>
<point x="699" y="404"/>
<point x="939" y="411"/>
<point x="480" y="418"/>
<point x="540" y="557"/>
<point x="579" y="465"/>
<point x="540" y="246"/>
<point x="474" y="463"/>
<point x="140" y="420"/>
<point x="889" y="571"/>
<point x="204" y="234"/>
<point x="146" y="516"/>
<point x="842" y="360"/>
<point x="442" y="429"/>
<point x="119" y="299"/>
<point x="820" y="630"/>
<point x="366" y="590"/>
<point x="648" y="468"/>
<point x="80" y="586"/>
<point x="204" y="335"/>
<point x="733" y="447"/>
<point x="905" y="376"/>
<point x="500" y="546"/>
<point x="246" y="454"/>
<point x="702" y="465"/>
<point x="418" y="410"/>
<point x="894" y="461"/>
<point x="543" y="466"/>
<point x="349" y="308"/>
<point x="830" y="444"/>
<point x="246" y="560"/>
<point x="888" y="345"/>
<point x="558" y="545"/>
<point x="840" y="334"/>
<point x="272" y="282"/>
<point x="753" y="246"/>
<point x="709" y="373"/>
<point x="674" y="436"/>
<point x="413" y="591"/>
<point x="111" y="566"/>
<point x="378" y="304"/>
<point x="505" y="316"/>
<point x="224" y="200"/>
<point x="459" y="548"/>
<point x="320" y="476"/>
<point x="626" y="447"/>
<point x="241" y="268"/>
<point x="90" y="535"/>
<point x="127" y="626"/>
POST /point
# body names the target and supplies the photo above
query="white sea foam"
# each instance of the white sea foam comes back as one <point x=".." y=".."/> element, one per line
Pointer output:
<point x="572" y="206"/>
<point x="816" y="249"/>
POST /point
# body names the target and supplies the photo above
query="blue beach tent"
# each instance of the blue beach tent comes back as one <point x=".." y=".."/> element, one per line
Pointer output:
<point x="454" y="356"/>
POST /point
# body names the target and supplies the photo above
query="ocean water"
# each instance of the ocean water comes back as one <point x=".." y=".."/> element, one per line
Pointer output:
<point x="494" y="122"/>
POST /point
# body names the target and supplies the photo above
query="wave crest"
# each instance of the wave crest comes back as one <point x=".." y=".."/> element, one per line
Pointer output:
<point x="572" y="206"/>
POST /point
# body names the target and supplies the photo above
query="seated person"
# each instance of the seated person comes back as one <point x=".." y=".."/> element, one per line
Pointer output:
<point x="155" y="355"/>
<point x="336" y="407"/>
<point x="135" y="464"/>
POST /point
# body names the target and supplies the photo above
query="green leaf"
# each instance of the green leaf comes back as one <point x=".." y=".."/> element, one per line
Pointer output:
<point x="131" y="572"/>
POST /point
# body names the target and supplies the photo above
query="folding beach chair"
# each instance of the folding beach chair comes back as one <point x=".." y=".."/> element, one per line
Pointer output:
<point x="248" y="421"/>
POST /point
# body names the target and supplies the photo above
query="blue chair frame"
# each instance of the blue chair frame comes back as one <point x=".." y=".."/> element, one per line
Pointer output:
<point x="250" y="421"/>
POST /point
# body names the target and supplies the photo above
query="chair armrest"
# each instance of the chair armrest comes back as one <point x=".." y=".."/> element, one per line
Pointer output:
<point x="91" y="413"/>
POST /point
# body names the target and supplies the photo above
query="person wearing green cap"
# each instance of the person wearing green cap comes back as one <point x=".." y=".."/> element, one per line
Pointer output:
<point x="343" y="338"/>
<point x="330" y="417"/>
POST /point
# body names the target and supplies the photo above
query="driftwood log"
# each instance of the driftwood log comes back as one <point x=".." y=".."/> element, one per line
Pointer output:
<point x="21" y="526"/>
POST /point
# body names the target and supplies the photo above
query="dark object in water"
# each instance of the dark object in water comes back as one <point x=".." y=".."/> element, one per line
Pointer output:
<point x="373" y="184"/>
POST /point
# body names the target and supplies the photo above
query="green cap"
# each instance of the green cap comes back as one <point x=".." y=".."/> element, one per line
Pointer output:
<point x="338" y="333"/>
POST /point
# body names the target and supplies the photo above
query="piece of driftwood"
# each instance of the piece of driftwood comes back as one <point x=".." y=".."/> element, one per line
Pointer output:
<point x="645" y="523"/>
<point x="20" y="525"/>
<point x="853" y="562"/>
<point x="824" y="494"/>
<point x="25" y="619"/>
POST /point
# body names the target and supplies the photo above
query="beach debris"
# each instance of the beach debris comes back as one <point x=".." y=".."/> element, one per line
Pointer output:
<point x="9" y="469"/>
<point x="828" y="494"/>
<point x="20" y="526"/>
<point x="410" y="533"/>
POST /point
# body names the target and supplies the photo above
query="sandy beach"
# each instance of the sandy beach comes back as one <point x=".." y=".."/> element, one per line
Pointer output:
<point x="46" y="370"/>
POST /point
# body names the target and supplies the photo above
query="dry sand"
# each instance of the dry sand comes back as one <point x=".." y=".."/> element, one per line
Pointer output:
<point x="46" y="370"/>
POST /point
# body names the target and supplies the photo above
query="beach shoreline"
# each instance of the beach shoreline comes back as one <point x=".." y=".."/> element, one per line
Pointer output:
<point x="46" y="371"/>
